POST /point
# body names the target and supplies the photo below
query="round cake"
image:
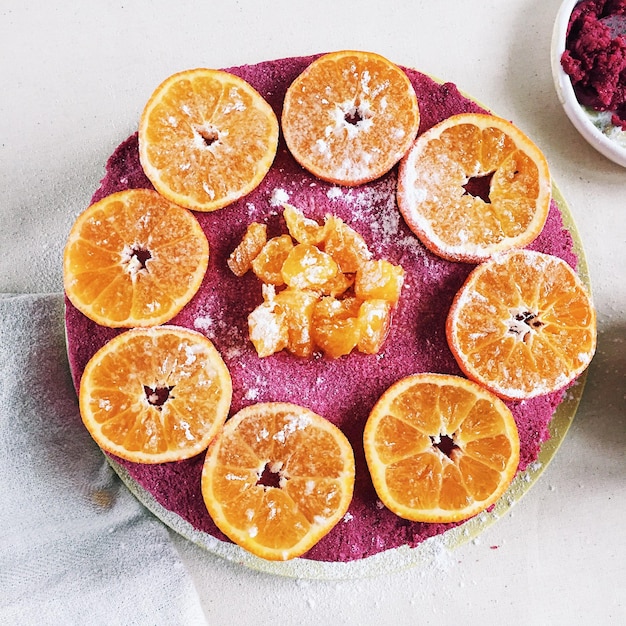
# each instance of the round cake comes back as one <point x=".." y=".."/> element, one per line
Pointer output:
<point x="343" y="390"/>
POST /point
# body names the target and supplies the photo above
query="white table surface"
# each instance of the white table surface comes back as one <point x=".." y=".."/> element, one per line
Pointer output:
<point x="74" y="77"/>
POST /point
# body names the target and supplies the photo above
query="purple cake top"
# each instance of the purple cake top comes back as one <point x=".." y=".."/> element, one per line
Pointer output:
<point x="343" y="390"/>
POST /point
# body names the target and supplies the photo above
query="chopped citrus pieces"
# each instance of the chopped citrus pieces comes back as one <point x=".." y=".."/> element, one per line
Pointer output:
<point x="379" y="280"/>
<point x="301" y="228"/>
<point x="474" y="185"/>
<point x="307" y="267"/>
<point x="206" y="138"/>
<point x="277" y="479"/>
<point x="440" y="448"/>
<point x="155" y="395"/>
<point x="335" y="327"/>
<point x="134" y="259"/>
<point x="240" y="259"/>
<point x="337" y="298"/>
<point x="523" y="325"/>
<point x="269" y="262"/>
<point x="350" y="117"/>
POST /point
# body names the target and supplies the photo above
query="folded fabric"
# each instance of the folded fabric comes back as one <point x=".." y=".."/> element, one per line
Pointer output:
<point x="75" y="545"/>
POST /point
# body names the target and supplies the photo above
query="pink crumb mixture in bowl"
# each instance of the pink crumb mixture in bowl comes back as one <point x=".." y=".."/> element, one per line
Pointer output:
<point x="588" y="58"/>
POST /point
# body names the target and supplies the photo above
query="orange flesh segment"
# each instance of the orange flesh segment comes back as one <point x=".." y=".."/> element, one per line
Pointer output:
<point x="345" y="245"/>
<point x="240" y="259"/>
<point x="374" y="320"/>
<point x="301" y="228"/>
<point x="269" y="262"/>
<point x="298" y="308"/>
<point x="335" y="325"/>
<point x="307" y="267"/>
<point x="267" y="325"/>
<point x="379" y="280"/>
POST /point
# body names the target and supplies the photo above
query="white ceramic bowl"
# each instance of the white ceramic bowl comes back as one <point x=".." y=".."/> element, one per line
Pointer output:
<point x="565" y="92"/>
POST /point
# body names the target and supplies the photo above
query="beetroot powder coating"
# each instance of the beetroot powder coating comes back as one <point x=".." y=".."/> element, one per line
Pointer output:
<point x="343" y="390"/>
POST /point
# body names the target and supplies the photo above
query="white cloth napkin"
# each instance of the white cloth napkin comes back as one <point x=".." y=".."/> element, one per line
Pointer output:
<point x="75" y="545"/>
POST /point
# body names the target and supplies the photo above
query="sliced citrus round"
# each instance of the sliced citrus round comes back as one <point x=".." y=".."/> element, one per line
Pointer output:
<point x="206" y="138"/>
<point x="474" y="185"/>
<point x="134" y="259"/>
<point x="522" y="325"/>
<point x="153" y="395"/>
<point x="440" y="448"/>
<point x="277" y="479"/>
<point x="350" y="117"/>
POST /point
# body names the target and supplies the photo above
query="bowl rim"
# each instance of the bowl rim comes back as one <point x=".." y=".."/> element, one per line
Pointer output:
<point x="565" y="91"/>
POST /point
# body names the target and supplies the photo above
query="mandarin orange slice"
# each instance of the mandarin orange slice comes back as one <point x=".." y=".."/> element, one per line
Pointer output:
<point x="440" y="448"/>
<point x="134" y="259"/>
<point x="277" y="479"/>
<point x="474" y="185"/>
<point x="155" y="395"/>
<point x="522" y="325"/>
<point x="206" y="138"/>
<point x="350" y="117"/>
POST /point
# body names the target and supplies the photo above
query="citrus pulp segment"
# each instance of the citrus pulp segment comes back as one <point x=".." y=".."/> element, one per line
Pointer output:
<point x="240" y="259"/>
<point x="206" y="138"/>
<point x="440" y="448"/>
<point x="155" y="395"/>
<point x="522" y="325"/>
<point x="277" y="479"/>
<point x="474" y="185"/>
<point x="350" y="116"/>
<point x="134" y="259"/>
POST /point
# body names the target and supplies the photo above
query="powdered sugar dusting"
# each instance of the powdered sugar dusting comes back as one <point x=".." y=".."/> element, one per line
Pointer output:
<point x="203" y="323"/>
<point x="279" y="197"/>
<point x="334" y="192"/>
<point x="293" y="423"/>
